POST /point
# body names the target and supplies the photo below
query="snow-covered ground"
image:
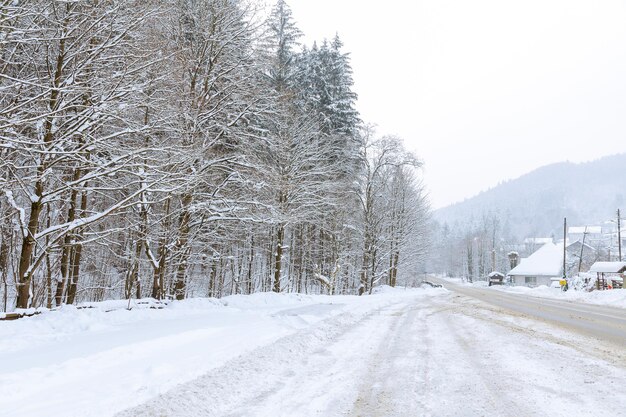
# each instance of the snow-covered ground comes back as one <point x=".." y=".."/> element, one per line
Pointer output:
<point x="416" y="352"/>
<point x="615" y="298"/>
<point x="100" y="360"/>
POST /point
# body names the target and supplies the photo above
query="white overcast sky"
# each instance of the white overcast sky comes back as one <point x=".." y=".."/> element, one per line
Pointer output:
<point x="484" y="90"/>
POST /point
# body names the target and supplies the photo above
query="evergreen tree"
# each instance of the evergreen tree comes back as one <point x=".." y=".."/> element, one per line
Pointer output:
<point x="324" y="81"/>
<point x="279" y="47"/>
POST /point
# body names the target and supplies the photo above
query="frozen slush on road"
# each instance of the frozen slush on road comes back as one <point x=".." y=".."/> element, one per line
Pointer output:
<point x="414" y="352"/>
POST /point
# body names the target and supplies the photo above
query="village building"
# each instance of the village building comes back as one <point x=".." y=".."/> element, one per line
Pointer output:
<point x="580" y="256"/>
<point x="591" y="234"/>
<point x="541" y="268"/>
<point x="609" y="274"/>
<point x="603" y="239"/>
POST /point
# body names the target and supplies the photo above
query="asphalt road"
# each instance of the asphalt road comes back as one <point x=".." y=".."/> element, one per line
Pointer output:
<point x="600" y="322"/>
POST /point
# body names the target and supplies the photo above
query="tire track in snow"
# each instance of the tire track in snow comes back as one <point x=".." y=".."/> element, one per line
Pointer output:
<point x="443" y="357"/>
<point x="483" y="375"/>
<point x="392" y="385"/>
<point x="540" y="370"/>
<point x="329" y="387"/>
<point x="296" y="375"/>
<point x="520" y="323"/>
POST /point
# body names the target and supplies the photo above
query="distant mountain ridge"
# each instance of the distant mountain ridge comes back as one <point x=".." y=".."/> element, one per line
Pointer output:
<point x="534" y="204"/>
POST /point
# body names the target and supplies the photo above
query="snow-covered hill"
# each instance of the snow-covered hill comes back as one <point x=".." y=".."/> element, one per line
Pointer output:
<point x="535" y="204"/>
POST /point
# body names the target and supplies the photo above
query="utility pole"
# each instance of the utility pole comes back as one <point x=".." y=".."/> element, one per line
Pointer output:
<point x="582" y="247"/>
<point x="564" y="244"/>
<point x="564" y="285"/>
<point x="619" y="235"/>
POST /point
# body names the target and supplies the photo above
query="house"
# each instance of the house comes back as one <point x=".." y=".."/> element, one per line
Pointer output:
<point x="574" y="252"/>
<point x="594" y="233"/>
<point x="540" y="268"/>
<point x="578" y="246"/>
<point x="604" y="238"/>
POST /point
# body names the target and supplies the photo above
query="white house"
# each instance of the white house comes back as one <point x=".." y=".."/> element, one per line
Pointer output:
<point x="577" y="232"/>
<point x="540" y="268"/>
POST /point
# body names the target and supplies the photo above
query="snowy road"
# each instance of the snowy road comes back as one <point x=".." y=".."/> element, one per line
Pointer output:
<point x="442" y="355"/>
<point x="601" y="322"/>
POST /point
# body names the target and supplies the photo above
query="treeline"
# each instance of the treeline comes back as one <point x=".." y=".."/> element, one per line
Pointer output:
<point x="180" y="148"/>
<point x="473" y="249"/>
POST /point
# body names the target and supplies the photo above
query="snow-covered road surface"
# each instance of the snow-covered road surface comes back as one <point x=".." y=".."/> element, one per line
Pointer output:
<point x="602" y="322"/>
<point x="400" y="353"/>
<point x="97" y="362"/>
<point x="444" y="355"/>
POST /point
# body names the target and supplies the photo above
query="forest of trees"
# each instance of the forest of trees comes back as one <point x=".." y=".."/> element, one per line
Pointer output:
<point x="183" y="148"/>
<point x="473" y="249"/>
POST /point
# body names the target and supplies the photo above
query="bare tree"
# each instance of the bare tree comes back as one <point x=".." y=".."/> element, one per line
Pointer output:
<point x="66" y="87"/>
<point x="379" y="155"/>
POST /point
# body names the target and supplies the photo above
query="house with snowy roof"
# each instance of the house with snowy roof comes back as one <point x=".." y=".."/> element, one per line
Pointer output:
<point x="541" y="268"/>
<point x="577" y="232"/>
<point x="582" y="254"/>
<point x="598" y="237"/>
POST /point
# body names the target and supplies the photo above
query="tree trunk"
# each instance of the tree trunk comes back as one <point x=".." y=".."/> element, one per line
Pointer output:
<point x="250" y="284"/>
<point x="68" y="248"/>
<point x="470" y="261"/>
<point x="373" y="270"/>
<point x="133" y="276"/>
<point x="158" y="275"/>
<point x="280" y="236"/>
<point x="76" y="255"/>
<point x="213" y="278"/>
<point x="75" y="273"/>
<point x="267" y="281"/>
<point x="299" y="255"/>
<point x="394" y="268"/>
<point x="367" y="259"/>
<point x="48" y="269"/>
<point x="139" y="248"/>
<point x="6" y="239"/>
<point x="181" y="248"/>
<point x="24" y="275"/>
<point x="390" y="272"/>
<point x="24" y="272"/>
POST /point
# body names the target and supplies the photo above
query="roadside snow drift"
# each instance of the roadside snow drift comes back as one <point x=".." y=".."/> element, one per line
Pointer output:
<point x="99" y="360"/>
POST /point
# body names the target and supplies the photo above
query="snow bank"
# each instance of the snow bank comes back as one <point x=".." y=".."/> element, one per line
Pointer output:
<point x="613" y="298"/>
<point x="406" y="291"/>
<point x="267" y="299"/>
<point x="100" y="358"/>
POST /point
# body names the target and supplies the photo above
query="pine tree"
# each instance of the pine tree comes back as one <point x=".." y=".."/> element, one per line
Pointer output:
<point x="279" y="45"/>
